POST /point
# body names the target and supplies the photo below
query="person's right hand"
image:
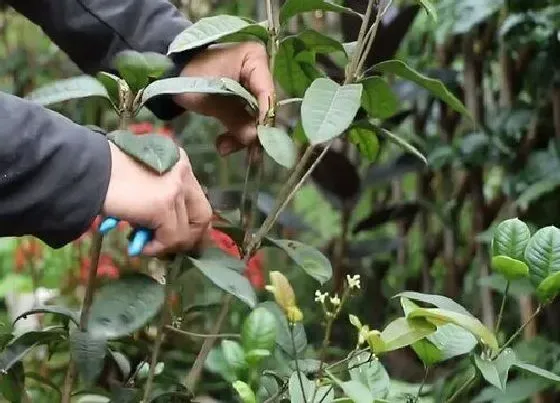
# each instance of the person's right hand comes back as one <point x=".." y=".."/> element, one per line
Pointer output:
<point x="173" y="205"/>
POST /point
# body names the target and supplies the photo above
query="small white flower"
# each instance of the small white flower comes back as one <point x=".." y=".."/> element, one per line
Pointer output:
<point x="353" y="281"/>
<point x="319" y="297"/>
<point x="335" y="300"/>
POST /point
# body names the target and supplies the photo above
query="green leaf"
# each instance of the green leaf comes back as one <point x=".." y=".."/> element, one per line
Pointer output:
<point x="251" y="32"/>
<point x="205" y="31"/>
<point x="436" y="300"/>
<point x="12" y="383"/>
<point x="255" y="357"/>
<point x="122" y="362"/>
<point x="44" y="381"/>
<point x="200" y="85"/>
<point x="428" y="353"/>
<point x="307" y="257"/>
<point x="217" y="364"/>
<point x="111" y="84"/>
<point x="537" y="371"/>
<point x="133" y="68"/>
<point x="356" y="391"/>
<point x="512" y="269"/>
<point x="229" y="280"/>
<point x="378" y="99"/>
<point x="234" y="355"/>
<point x="441" y="317"/>
<point x="52" y="309"/>
<point x="18" y="348"/>
<point x="543" y="254"/>
<point x="293" y="75"/>
<point x="294" y="7"/>
<point x="403" y="332"/>
<point x="278" y="145"/>
<point x="496" y="371"/>
<point x="295" y="388"/>
<point x="328" y="109"/>
<point x="430" y="9"/>
<point x="158" y="64"/>
<point x="453" y="340"/>
<point x="268" y="388"/>
<point x="322" y="394"/>
<point x="549" y="288"/>
<point x="405" y="145"/>
<point x="125" y="305"/>
<point x="367" y="370"/>
<point x="511" y="238"/>
<point x="283" y="338"/>
<point x="68" y="89"/>
<point x="366" y="140"/>
<point x="435" y="87"/>
<point x="517" y="391"/>
<point x="89" y="354"/>
<point x="157" y="152"/>
<point x="319" y="43"/>
<point x="350" y="48"/>
<point x="244" y="391"/>
<point x="259" y="330"/>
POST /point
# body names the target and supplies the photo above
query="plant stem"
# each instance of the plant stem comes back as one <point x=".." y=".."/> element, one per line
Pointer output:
<point x="501" y="314"/>
<point x="426" y="373"/>
<point x="371" y="37"/>
<point x="201" y="335"/>
<point x="351" y="72"/>
<point x="171" y="276"/>
<point x="518" y="332"/>
<point x="196" y="370"/>
<point x="84" y="316"/>
<point x="296" y="362"/>
<point x="463" y="387"/>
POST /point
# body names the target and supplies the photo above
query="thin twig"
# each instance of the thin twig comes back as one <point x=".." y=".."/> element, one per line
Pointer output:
<point x="518" y="332"/>
<point x="296" y="363"/>
<point x="171" y="276"/>
<point x="502" y="307"/>
<point x="372" y="36"/>
<point x="201" y="335"/>
<point x="463" y="387"/>
<point x="350" y="74"/>
<point x="426" y="373"/>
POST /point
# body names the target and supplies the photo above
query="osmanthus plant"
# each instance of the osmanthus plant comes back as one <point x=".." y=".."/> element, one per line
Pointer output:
<point x="266" y="363"/>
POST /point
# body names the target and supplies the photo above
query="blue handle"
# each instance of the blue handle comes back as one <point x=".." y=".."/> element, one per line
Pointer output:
<point x="140" y="238"/>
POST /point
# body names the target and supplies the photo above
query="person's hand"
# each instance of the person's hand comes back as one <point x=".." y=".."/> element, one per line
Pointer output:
<point x="173" y="205"/>
<point x="246" y="63"/>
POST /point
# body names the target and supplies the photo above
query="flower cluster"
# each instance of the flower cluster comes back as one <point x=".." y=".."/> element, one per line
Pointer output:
<point x="335" y="301"/>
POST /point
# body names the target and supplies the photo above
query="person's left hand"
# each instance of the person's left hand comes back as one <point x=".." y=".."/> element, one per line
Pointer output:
<point x="246" y="63"/>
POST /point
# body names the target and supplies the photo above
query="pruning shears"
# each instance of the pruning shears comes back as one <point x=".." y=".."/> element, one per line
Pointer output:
<point x="139" y="237"/>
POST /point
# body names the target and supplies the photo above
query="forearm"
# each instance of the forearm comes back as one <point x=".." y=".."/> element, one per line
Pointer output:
<point x="54" y="174"/>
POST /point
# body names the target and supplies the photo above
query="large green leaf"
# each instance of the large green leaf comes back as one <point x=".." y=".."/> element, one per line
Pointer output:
<point x="319" y="43"/>
<point x="307" y="257"/>
<point x="511" y="269"/>
<point x="294" y="7"/>
<point x="511" y="238"/>
<point x="111" y="83"/>
<point x="428" y="353"/>
<point x="259" y="330"/>
<point x="228" y="279"/>
<point x="542" y="254"/>
<point x="68" y="89"/>
<point x="378" y="99"/>
<point x="328" y="109"/>
<point x="437" y="300"/>
<point x="435" y="87"/>
<point x="234" y="355"/>
<point x="371" y="373"/>
<point x="16" y="350"/>
<point x="138" y="68"/>
<point x="12" y="383"/>
<point x="403" y="332"/>
<point x="356" y="391"/>
<point x="205" y="31"/>
<point x="217" y="364"/>
<point x="89" y="354"/>
<point x="441" y="317"/>
<point x="125" y="305"/>
<point x="283" y="338"/>
<point x="278" y="145"/>
<point x="293" y="74"/>
<point x="496" y="371"/>
<point x="201" y="85"/>
<point x="453" y="340"/>
<point x="52" y="309"/>
<point x="157" y="152"/>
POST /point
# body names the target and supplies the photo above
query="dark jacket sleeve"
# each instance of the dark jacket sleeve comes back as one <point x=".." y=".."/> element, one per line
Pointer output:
<point x="54" y="173"/>
<point x="92" y="32"/>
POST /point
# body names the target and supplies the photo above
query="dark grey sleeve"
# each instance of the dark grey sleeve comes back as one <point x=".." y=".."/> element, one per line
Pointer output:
<point x="54" y="174"/>
<point x="92" y="32"/>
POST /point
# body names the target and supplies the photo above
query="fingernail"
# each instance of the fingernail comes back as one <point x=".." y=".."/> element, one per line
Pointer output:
<point x="225" y="147"/>
<point x="107" y="225"/>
